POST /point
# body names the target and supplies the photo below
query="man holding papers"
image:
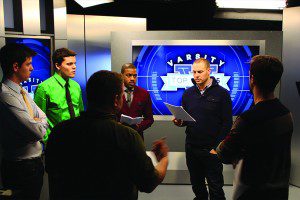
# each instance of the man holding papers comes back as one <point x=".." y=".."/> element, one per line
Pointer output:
<point x="137" y="102"/>
<point x="210" y="105"/>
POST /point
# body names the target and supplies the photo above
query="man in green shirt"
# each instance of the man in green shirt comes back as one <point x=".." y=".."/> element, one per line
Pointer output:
<point x="59" y="96"/>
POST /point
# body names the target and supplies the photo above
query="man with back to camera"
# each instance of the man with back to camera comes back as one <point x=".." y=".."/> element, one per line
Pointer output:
<point x="59" y="96"/>
<point x="95" y="157"/>
<point x="137" y="100"/>
<point x="210" y="105"/>
<point x="22" y="127"/>
<point x="260" y="139"/>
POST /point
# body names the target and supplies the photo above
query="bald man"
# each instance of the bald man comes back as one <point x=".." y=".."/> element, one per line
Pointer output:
<point x="210" y="105"/>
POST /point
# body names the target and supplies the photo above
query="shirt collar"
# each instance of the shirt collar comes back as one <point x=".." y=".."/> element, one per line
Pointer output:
<point x="207" y="85"/>
<point x="12" y="85"/>
<point x="127" y="89"/>
<point x="59" y="79"/>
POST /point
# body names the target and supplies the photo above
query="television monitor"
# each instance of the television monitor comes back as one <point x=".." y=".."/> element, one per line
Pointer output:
<point x="41" y="62"/>
<point x="156" y="53"/>
<point x="165" y="69"/>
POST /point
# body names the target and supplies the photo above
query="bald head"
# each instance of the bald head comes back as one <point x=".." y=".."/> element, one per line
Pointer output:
<point x="201" y="72"/>
<point x="202" y="61"/>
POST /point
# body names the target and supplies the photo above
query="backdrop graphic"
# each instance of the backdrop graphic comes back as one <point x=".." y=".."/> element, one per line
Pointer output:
<point x="41" y="62"/>
<point x="165" y="71"/>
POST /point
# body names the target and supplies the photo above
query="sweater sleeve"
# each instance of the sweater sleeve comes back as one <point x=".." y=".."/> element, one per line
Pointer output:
<point x="143" y="172"/>
<point x="226" y="114"/>
<point x="230" y="149"/>
<point x="147" y="114"/>
<point x="183" y="104"/>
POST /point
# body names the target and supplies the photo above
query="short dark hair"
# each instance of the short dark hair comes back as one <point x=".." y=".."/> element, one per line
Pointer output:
<point x="127" y="66"/>
<point x="14" y="53"/>
<point x="102" y="87"/>
<point x="59" y="55"/>
<point x="266" y="71"/>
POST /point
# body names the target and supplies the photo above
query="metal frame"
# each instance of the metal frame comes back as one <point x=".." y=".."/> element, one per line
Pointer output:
<point x="260" y="43"/>
<point x="36" y="37"/>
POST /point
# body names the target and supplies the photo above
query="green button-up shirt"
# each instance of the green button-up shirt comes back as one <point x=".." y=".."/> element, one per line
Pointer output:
<point x="50" y="96"/>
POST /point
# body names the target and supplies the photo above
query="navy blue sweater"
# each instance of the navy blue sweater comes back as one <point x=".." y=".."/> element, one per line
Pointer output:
<point x="212" y="111"/>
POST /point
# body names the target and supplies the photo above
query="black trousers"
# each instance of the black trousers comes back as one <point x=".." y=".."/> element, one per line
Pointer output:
<point x="201" y="165"/>
<point x="24" y="178"/>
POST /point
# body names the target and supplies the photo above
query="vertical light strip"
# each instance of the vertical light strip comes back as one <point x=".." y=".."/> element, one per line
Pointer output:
<point x="2" y="39"/>
<point x="252" y="4"/>
<point x="60" y="23"/>
<point x="31" y="17"/>
<point x="2" y="23"/>
<point x="9" y="14"/>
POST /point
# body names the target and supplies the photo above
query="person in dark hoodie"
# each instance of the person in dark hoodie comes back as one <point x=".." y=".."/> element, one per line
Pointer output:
<point x="210" y="105"/>
<point x="259" y="143"/>
<point x="103" y="159"/>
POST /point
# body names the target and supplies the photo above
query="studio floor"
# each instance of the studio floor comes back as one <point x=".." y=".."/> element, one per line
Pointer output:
<point x="184" y="192"/>
<point x="175" y="192"/>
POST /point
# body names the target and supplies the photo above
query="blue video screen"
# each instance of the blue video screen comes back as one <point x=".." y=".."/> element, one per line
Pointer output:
<point x="41" y="62"/>
<point x="166" y="71"/>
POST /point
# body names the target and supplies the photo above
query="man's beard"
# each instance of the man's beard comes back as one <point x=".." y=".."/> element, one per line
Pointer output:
<point x="204" y="81"/>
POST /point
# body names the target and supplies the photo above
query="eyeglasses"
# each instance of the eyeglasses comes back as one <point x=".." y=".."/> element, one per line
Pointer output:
<point x="131" y="75"/>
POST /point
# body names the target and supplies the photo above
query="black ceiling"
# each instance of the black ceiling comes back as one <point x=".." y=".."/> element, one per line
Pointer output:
<point x="173" y="15"/>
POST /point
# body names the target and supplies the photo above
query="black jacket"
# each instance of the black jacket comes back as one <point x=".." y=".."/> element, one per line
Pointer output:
<point x="212" y="112"/>
<point x="261" y="139"/>
<point x="95" y="157"/>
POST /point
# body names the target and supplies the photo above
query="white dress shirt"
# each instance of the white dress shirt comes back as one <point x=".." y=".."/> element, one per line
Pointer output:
<point x="20" y="134"/>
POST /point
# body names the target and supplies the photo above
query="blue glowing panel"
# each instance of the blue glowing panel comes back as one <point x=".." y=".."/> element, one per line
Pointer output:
<point x="165" y="71"/>
<point x="41" y="62"/>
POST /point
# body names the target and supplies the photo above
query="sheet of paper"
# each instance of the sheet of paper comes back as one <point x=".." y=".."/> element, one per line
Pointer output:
<point x="129" y="120"/>
<point x="179" y="113"/>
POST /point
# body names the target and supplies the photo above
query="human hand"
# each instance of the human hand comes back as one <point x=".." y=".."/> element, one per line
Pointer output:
<point x="213" y="152"/>
<point x="37" y="119"/>
<point x="160" y="148"/>
<point x="137" y="126"/>
<point x="177" y="122"/>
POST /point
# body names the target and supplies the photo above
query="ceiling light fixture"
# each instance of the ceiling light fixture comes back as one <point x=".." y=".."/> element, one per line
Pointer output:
<point x="252" y="4"/>
<point x="89" y="3"/>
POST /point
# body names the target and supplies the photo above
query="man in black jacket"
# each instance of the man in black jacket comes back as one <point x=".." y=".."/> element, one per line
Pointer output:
<point x="95" y="157"/>
<point x="260" y="139"/>
<point x="210" y="105"/>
